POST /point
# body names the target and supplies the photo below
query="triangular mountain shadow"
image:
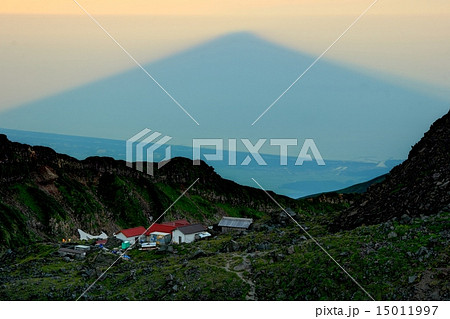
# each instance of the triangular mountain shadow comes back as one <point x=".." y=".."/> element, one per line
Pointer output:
<point x="225" y="84"/>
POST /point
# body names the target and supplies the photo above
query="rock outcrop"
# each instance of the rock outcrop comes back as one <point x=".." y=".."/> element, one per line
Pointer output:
<point x="48" y="196"/>
<point x="418" y="186"/>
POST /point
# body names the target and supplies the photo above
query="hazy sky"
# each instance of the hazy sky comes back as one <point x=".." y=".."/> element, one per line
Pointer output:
<point x="49" y="46"/>
<point x="220" y="7"/>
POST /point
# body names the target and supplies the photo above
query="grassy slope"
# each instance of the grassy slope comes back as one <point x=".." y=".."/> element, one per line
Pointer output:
<point x="282" y="265"/>
<point x="354" y="189"/>
<point x="123" y="202"/>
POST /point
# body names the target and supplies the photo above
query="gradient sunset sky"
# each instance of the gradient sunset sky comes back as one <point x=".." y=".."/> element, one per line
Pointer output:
<point x="49" y="46"/>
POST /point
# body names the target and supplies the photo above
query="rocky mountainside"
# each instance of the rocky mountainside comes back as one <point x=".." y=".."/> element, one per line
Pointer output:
<point x="47" y="196"/>
<point x="418" y="186"/>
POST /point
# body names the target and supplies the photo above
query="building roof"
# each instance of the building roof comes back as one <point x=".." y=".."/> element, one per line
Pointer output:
<point x="132" y="232"/>
<point x="160" y="228"/>
<point x="82" y="247"/>
<point x="177" y="223"/>
<point x="192" y="229"/>
<point x="101" y="242"/>
<point x="235" y="222"/>
<point x="71" y="251"/>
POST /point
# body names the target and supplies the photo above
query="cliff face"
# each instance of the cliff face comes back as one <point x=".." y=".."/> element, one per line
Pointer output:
<point x="46" y="195"/>
<point x="418" y="186"/>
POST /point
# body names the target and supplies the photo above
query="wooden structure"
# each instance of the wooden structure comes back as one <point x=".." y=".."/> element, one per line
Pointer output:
<point x="234" y="224"/>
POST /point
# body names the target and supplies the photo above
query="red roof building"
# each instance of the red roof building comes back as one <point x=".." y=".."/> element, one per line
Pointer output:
<point x="101" y="242"/>
<point x="177" y="223"/>
<point x="161" y="228"/>
<point x="132" y="232"/>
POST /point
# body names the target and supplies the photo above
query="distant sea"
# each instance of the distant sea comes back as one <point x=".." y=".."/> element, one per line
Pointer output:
<point x="293" y="181"/>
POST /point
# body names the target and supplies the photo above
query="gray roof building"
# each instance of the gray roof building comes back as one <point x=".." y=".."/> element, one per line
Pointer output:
<point x="235" y="222"/>
<point x="192" y="229"/>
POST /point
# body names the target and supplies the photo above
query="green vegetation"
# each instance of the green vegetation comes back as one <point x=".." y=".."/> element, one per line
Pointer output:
<point x="49" y="202"/>
<point x="196" y="208"/>
<point x="78" y="198"/>
<point x="115" y="193"/>
<point x="13" y="227"/>
<point x="40" y="203"/>
<point x="278" y="264"/>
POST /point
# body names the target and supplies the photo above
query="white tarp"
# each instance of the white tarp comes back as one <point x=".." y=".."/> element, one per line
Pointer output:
<point x="204" y="234"/>
<point x="86" y="236"/>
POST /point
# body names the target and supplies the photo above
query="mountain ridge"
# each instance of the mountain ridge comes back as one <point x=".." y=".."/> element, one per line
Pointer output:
<point x="282" y="180"/>
<point x="393" y="258"/>
<point x="358" y="188"/>
<point x="45" y="195"/>
<point x="418" y="186"/>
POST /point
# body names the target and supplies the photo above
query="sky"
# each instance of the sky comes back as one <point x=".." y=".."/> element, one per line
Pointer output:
<point x="49" y="46"/>
<point x="52" y="46"/>
<point x="219" y="7"/>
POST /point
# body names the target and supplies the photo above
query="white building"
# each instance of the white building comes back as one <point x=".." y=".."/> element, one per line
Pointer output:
<point x="131" y="234"/>
<point x="188" y="233"/>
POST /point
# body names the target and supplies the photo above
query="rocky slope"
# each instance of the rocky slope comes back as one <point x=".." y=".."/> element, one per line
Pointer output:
<point x="270" y="262"/>
<point x="47" y="196"/>
<point x="418" y="186"/>
<point x="400" y="252"/>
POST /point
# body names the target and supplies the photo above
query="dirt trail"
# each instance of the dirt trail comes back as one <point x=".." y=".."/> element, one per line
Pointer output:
<point x="251" y="295"/>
